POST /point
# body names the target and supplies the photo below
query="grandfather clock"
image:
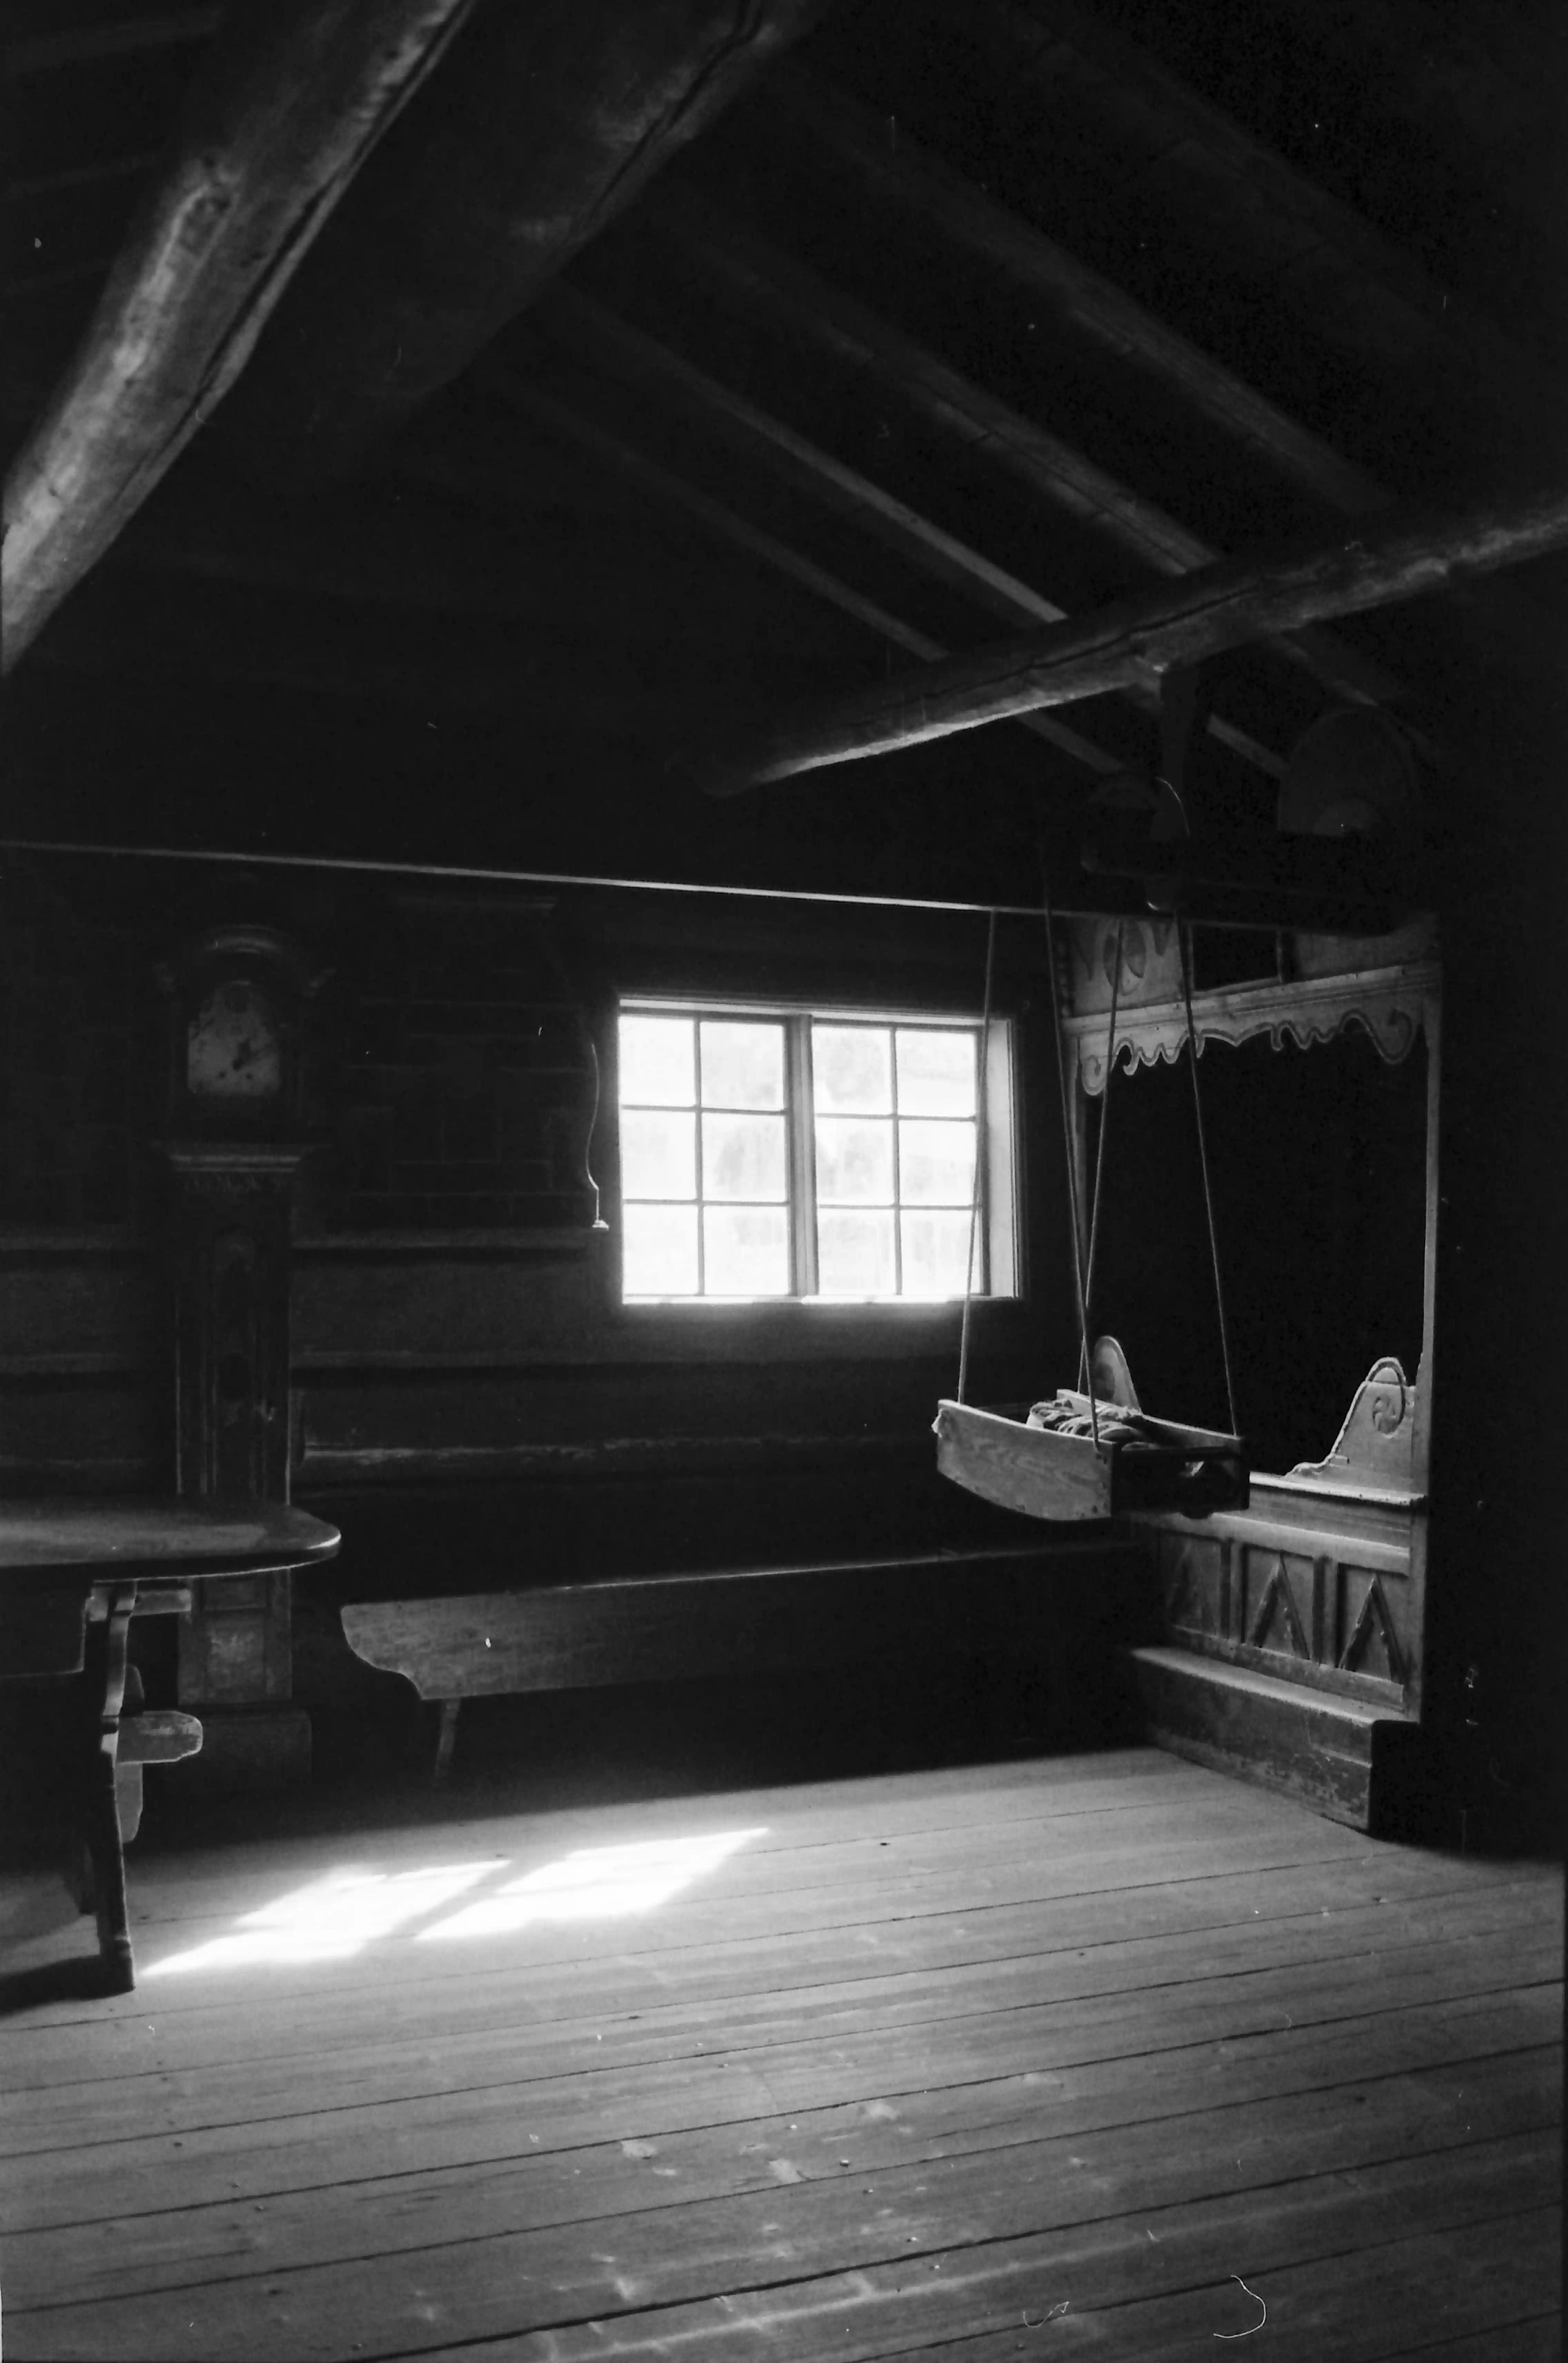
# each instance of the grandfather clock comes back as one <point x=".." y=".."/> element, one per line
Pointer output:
<point x="236" y="998"/>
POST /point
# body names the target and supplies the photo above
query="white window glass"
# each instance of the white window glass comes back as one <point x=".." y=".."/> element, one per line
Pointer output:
<point x="855" y="1253"/>
<point x="936" y="1162"/>
<point x="659" y="1250"/>
<point x="936" y="1071"/>
<point x="935" y="1247"/>
<point x="852" y="1069"/>
<point x="659" y="1153"/>
<point x="745" y="1251"/>
<point x="744" y="1157"/>
<point x="743" y="1064"/>
<point x="854" y="1160"/>
<point x="658" y="1061"/>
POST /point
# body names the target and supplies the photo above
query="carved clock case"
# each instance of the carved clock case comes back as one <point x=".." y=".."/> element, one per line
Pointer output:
<point x="236" y="999"/>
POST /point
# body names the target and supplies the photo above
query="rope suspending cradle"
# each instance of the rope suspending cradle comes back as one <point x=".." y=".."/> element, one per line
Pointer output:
<point x="1093" y="1451"/>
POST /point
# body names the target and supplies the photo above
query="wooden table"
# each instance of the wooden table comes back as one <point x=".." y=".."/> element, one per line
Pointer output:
<point x="72" y="1574"/>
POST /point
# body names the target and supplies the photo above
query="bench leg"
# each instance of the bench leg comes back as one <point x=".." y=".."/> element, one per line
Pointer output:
<point x="128" y="1800"/>
<point x="446" y="1738"/>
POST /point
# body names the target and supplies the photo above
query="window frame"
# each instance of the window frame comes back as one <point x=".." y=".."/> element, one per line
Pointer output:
<point x="998" y="1144"/>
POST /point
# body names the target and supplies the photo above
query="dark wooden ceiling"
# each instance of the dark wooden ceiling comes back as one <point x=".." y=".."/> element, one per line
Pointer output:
<point x="962" y="318"/>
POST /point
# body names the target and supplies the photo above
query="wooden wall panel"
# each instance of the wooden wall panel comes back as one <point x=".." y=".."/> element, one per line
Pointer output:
<point x="434" y="1312"/>
<point x="67" y="1435"/>
<point x="69" y="1307"/>
<point x="82" y="1344"/>
<point x="468" y="1397"/>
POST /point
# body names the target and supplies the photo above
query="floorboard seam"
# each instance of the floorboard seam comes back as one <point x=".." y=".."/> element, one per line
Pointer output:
<point x="996" y="1963"/>
<point x="760" y="2289"/>
<point x="1544" y="2124"/>
<point x="728" y="2054"/>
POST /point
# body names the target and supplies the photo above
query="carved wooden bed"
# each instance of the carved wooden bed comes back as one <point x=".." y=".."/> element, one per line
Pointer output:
<point x="1295" y="1627"/>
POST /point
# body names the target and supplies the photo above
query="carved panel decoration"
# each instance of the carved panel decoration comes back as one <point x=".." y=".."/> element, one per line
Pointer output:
<point x="1291" y="1589"/>
<point x="1392" y="1005"/>
<point x="1275" y="1621"/>
<point x="1194" y="1577"/>
<point x="1371" y="1646"/>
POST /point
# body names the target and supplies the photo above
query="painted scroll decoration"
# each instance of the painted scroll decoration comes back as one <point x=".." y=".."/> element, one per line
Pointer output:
<point x="1392" y="1004"/>
<point x="1376" y="1439"/>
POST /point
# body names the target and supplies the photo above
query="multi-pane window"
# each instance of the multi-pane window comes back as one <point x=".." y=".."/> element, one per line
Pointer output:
<point x="704" y="1156"/>
<point x="800" y="1154"/>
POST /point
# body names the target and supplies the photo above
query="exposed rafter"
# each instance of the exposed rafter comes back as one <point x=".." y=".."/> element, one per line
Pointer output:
<point x="1080" y="300"/>
<point x="776" y="287"/>
<point x="1071" y="294"/>
<point x="942" y="555"/>
<point x="550" y="119"/>
<point x="1226" y="608"/>
<point x="728" y="526"/>
<point x="282" y="114"/>
<point x="1402" y="317"/>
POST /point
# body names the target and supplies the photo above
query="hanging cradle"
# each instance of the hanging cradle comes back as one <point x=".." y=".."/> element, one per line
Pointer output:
<point x="1092" y="1451"/>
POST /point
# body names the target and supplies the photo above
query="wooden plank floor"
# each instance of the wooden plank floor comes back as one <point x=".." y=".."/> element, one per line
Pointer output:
<point x="1095" y="2054"/>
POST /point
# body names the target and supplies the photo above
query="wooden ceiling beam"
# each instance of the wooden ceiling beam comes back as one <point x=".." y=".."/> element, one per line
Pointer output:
<point x="776" y="288"/>
<point x="1078" y="299"/>
<point x="1415" y="322"/>
<point x="1071" y="294"/>
<point x="1226" y="608"/>
<point x="593" y="329"/>
<point x="280" y="115"/>
<point x="943" y="556"/>
<point x="1472" y="82"/>
<point x="548" y="121"/>
<point x="673" y="490"/>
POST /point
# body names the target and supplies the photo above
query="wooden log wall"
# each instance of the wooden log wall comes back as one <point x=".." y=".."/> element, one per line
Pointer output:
<point x="470" y="1400"/>
<point x="79" y="1331"/>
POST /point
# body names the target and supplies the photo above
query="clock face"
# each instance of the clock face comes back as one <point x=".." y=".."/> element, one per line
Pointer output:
<point x="232" y="1049"/>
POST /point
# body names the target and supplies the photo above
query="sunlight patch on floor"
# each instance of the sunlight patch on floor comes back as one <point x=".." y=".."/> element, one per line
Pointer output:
<point x="331" y="1919"/>
<point x="337" y="1916"/>
<point x="594" y="1883"/>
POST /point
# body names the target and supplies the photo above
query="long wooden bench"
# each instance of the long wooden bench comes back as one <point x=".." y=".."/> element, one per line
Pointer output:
<point x="932" y="1605"/>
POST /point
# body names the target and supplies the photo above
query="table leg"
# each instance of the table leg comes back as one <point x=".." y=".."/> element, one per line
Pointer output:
<point x="108" y="1645"/>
